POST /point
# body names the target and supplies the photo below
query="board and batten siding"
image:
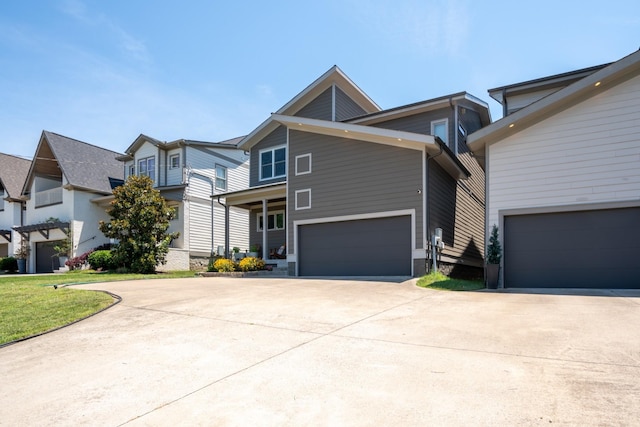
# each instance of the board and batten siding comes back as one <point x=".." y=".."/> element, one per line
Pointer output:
<point x="346" y="107"/>
<point x="276" y="138"/>
<point x="351" y="177"/>
<point x="321" y="107"/>
<point x="588" y="153"/>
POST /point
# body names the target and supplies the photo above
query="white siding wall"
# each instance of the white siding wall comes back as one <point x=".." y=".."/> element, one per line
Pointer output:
<point x="589" y="153"/>
<point x="174" y="176"/>
<point x="9" y="218"/>
<point x="149" y="150"/>
<point x="198" y="218"/>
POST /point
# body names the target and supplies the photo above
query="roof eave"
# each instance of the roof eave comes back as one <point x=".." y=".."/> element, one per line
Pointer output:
<point x="585" y="88"/>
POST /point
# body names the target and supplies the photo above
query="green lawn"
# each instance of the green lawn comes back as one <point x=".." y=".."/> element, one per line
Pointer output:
<point x="440" y="281"/>
<point x="30" y="305"/>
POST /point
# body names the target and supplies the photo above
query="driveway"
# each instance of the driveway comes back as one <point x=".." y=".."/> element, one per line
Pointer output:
<point x="293" y="352"/>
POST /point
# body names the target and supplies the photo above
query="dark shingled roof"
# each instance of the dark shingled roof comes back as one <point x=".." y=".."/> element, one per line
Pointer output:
<point x="13" y="174"/>
<point x="85" y="166"/>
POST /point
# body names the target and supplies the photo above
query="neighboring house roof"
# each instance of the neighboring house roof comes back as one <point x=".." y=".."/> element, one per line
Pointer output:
<point x="550" y="82"/>
<point x="422" y="106"/>
<point x="85" y="166"/>
<point x="585" y="88"/>
<point x="378" y="135"/>
<point x="13" y="174"/>
<point x="333" y="76"/>
<point x="142" y="138"/>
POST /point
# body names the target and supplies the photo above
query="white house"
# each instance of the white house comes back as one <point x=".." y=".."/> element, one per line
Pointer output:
<point x="64" y="177"/>
<point x="563" y="178"/>
<point x="189" y="174"/>
<point x="13" y="173"/>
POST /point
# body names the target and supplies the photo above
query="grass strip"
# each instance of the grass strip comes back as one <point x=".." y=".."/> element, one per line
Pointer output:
<point x="437" y="280"/>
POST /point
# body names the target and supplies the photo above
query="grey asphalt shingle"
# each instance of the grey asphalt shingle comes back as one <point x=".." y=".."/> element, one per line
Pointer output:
<point x="84" y="165"/>
<point x="13" y="173"/>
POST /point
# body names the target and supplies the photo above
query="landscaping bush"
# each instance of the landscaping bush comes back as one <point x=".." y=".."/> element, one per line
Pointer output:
<point x="224" y="265"/>
<point x="101" y="260"/>
<point x="9" y="264"/>
<point x="251" y="264"/>
<point x="78" y="261"/>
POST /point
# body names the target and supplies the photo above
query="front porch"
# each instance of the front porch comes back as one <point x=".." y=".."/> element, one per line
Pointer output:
<point x="267" y="206"/>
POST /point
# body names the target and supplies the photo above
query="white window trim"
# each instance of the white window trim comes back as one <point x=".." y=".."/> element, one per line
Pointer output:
<point x="298" y="171"/>
<point x="171" y="157"/>
<point x="273" y="150"/>
<point x="298" y="206"/>
<point x="146" y="159"/>
<point x="434" y="123"/>
<point x="274" y="213"/>
<point x="226" y="177"/>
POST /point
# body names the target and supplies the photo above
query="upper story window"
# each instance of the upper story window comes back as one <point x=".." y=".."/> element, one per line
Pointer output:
<point x="174" y="161"/>
<point x="273" y="163"/>
<point x="440" y="128"/>
<point x="221" y="178"/>
<point x="2" y="196"/>
<point x="147" y="167"/>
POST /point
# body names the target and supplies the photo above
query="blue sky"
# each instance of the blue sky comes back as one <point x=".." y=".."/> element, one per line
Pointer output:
<point x="105" y="71"/>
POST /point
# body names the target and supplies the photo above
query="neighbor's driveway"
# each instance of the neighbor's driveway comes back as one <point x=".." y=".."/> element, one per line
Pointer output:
<point x="213" y="351"/>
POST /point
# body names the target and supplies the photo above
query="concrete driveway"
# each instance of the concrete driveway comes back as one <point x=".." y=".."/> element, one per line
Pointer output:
<point x="293" y="352"/>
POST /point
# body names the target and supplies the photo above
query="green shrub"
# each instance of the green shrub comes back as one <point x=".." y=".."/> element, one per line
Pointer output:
<point x="224" y="265"/>
<point x="251" y="264"/>
<point x="9" y="264"/>
<point x="101" y="260"/>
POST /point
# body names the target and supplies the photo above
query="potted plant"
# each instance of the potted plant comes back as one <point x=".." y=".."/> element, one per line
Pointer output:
<point x="22" y="254"/>
<point x="253" y="251"/>
<point x="494" y="255"/>
<point x="63" y="250"/>
<point x="237" y="256"/>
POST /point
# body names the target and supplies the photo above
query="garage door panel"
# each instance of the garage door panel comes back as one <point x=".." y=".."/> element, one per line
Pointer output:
<point x="583" y="249"/>
<point x="378" y="247"/>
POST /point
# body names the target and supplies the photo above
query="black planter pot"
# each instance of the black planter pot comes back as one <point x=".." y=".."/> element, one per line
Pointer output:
<point x="22" y="266"/>
<point x="492" y="274"/>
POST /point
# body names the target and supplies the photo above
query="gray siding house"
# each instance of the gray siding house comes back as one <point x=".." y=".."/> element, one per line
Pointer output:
<point x="563" y="178"/>
<point x="352" y="190"/>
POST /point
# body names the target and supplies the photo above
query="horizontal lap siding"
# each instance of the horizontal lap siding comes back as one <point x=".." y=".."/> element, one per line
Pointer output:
<point x="586" y="154"/>
<point x="346" y="107"/>
<point x="352" y="177"/>
<point x="319" y="108"/>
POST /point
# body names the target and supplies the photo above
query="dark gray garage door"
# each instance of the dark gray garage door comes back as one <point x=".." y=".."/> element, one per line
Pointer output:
<point x="46" y="257"/>
<point x="586" y="249"/>
<point x="371" y="247"/>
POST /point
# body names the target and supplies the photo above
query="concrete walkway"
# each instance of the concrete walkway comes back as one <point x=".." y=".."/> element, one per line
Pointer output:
<point x="293" y="352"/>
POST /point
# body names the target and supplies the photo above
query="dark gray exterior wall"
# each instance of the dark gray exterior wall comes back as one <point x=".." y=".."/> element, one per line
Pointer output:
<point x="421" y="123"/>
<point x="275" y="238"/>
<point x="346" y="108"/>
<point x="352" y="177"/>
<point x="274" y="139"/>
<point x="456" y="207"/>
<point x="320" y="108"/>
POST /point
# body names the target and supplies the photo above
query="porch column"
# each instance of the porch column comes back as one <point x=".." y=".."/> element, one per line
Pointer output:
<point x="265" y="227"/>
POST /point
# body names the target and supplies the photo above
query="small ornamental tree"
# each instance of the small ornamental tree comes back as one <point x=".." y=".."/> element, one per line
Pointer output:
<point x="494" y="251"/>
<point x="139" y="221"/>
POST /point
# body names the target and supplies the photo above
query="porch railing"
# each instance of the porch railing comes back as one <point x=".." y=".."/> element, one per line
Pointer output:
<point x="49" y="197"/>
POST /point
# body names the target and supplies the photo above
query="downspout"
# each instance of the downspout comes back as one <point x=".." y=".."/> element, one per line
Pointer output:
<point x="190" y="173"/>
<point x="431" y="250"/>
<point x="226" y="227"/>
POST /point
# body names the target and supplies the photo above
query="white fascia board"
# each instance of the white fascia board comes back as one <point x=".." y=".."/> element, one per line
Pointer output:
<point x="377" y="135"/>
<point x="577" y="92"/>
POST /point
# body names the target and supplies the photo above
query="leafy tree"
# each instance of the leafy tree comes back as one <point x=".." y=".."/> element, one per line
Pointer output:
<point x="139" y="221"/>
